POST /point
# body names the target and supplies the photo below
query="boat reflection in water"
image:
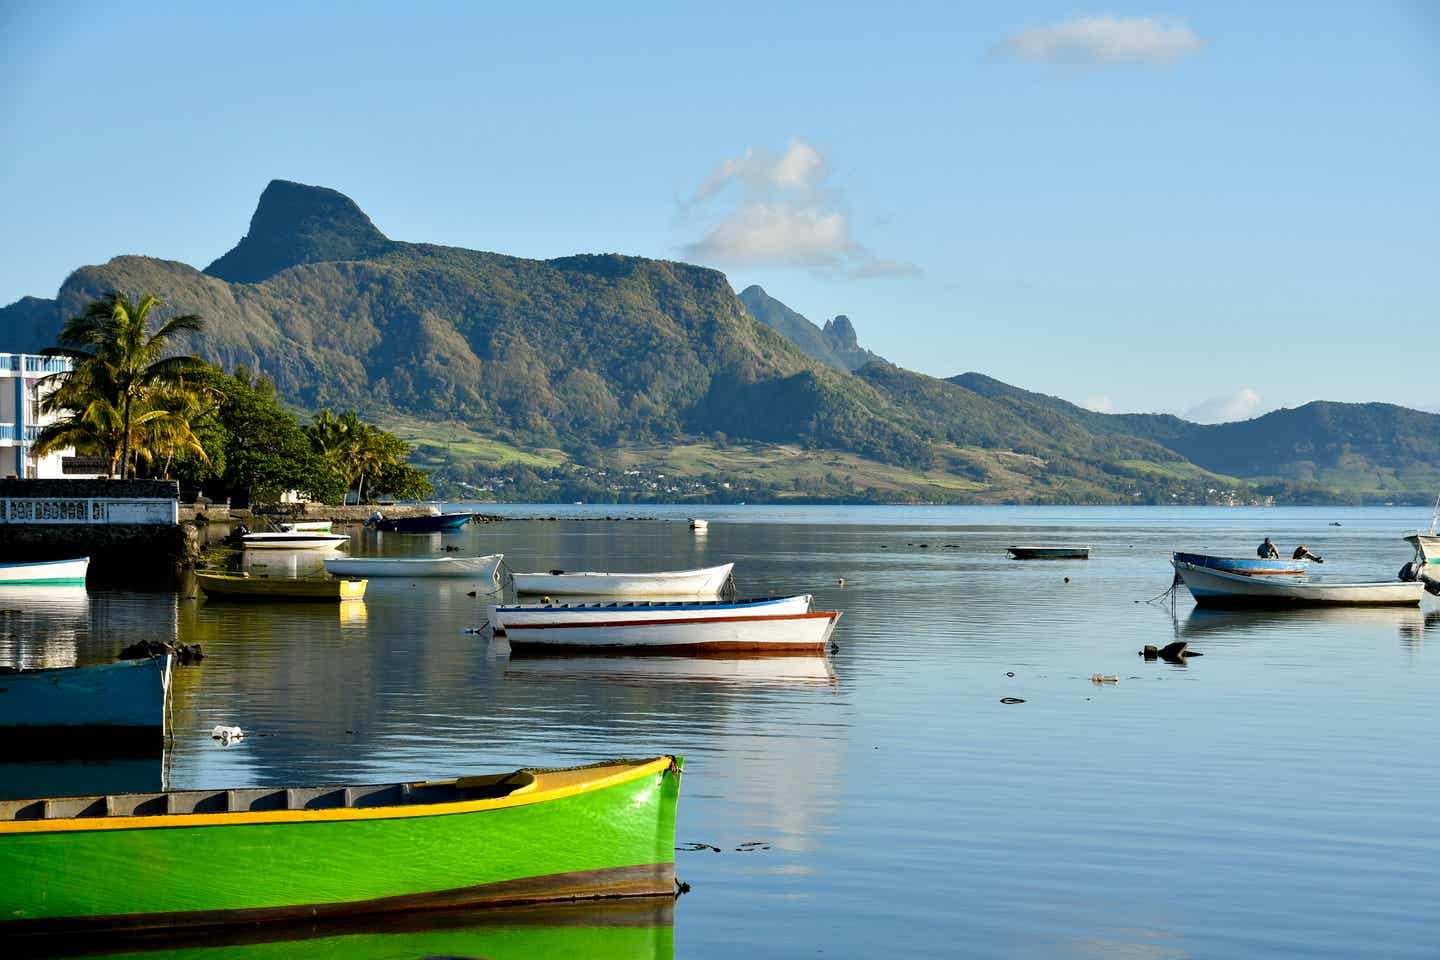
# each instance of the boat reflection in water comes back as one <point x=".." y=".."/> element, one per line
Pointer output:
<point x="602" y="930"/>
<point x="1209" y="624"/>
<point x="141" y="771"/>
<point x="287" y="563"/>
<point x="799" y="671"/>
<point x="40" y="626"/>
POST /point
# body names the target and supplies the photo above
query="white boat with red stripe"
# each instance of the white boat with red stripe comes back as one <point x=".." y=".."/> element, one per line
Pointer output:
<point x="780" y="625"/>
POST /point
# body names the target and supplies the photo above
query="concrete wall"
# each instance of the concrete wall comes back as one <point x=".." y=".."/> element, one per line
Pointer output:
<point x="90" y="488"/>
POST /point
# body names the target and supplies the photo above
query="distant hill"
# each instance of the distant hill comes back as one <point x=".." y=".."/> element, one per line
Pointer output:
<point x="1375" y="447"/>
<point x="833" y="344"/>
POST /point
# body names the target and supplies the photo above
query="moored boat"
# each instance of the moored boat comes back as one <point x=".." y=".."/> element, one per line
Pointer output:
<point x="172" y="859"/>
<point x="488" y="568"/>
<point x="747" y="633"/>
<point x="124" y="700"/>
<point x="1218" y="588"/>
<point x="1048" y="553"/>
<point x="702" y="582"/>
<point x="45" y="572"/>
<point x="433" y="523"/>
<point x="294" y="540"/>
<point x="1253" y="566"/>
<point x="638" y="610"/>
<point x="699" y="525"/>
<point x="233" y="586"/>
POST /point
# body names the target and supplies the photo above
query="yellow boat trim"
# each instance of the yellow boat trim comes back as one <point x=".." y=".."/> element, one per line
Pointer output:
<point x="568" y="783"/>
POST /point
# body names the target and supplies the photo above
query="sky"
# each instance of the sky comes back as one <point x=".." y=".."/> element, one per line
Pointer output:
<point x="1214" y="209"/>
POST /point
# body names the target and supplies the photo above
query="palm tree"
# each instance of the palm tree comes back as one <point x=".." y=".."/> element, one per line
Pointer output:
<point x="120" y="362"/>
<point x="181" y="406"/>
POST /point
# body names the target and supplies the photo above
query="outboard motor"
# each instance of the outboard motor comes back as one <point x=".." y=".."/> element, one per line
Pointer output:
<point x="1432" y="586"/>
<point x="1410" y="572"/>
<point x="1413" y="571"/>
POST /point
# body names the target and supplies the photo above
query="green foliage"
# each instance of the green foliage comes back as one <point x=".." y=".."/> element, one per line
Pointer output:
<point x="265" y="452"/>
<point x="123" y="394"/>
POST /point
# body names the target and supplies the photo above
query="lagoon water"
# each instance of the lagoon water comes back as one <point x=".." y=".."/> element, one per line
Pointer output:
<point x="1275" y="797"/>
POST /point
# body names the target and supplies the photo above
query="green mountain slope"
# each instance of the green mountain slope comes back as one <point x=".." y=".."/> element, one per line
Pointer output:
<point x="834" y="344"/>
<point x="1376" y="448"/>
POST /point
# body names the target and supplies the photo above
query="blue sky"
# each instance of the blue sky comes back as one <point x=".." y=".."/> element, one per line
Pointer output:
<point x="1217" y="208"/>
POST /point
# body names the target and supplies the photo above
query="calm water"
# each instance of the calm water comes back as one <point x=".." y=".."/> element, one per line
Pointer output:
<point x="1277" y="796"/>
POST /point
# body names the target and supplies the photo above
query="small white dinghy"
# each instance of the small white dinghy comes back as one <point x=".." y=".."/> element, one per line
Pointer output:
<point x="704" y="582"/>
<point x="485" y="568"/>
<point x="1217" y="588"/>
<point x="294" y="540"/>
<point x="45" y="572"/>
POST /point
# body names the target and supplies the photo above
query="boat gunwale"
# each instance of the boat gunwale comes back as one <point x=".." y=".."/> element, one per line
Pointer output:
<point x="658" y="605"/>
<point x="42" y="563"/>
<point x="689" y="622"/>
<point x="525" y="795"/>
<point x="1295" y="582"/>
<point x="658" y="574"/>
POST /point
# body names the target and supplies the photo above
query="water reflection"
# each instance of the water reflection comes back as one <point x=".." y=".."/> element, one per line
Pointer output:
<point x="621" y="930"/>
<point x="1203" y="623"/>
<point x="291" y="564"/>
<point x="812" y="671"/>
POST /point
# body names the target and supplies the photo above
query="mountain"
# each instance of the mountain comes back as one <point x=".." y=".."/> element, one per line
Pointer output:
<point x="295" y="224"/>
<point x="834" y="344"/>
<point x="1376" y="447"/>
<point x="600" y="359"/>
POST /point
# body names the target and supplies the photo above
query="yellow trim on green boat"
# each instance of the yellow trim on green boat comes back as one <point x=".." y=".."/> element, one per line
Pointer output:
<point x="545" y="786"/>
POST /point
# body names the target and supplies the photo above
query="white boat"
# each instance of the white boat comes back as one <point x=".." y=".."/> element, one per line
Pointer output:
<point x="699" y="525"/>
<point x="321" y="526"/>
<point x="757" y="633"/>
<point x="705" y="582"/>
<point x="631" y="611"/>
<point x="294" y="540"/>
<point x="1217" y="588"/>
<point x="45" y="572"/>
<point x="1427" y="548"/>
<point x="487" y="568"/>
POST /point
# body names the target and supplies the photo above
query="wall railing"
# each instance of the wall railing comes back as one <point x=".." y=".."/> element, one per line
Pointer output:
<point x="88" y="510"/>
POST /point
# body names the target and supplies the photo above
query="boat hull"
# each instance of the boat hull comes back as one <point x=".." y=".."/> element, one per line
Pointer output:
<point x="1049" y="553"/>
<point x="302" y="526"/>
<point x="45" y="572"/>
<point x="125" y="699"/>
<point x="1215" y="588"/>
<point x="481" y="568"/>
<point x="787" y="633"/>
<point x="228" y="587"/>
<point x="435" y="523"/>
<point x="635" y="611"/>
<point x="1253" y="566"/>
<point x="605" y="832"/>
<point x="298" y="540"/>
<point x="1427" y="548"/>
<point x="704" y="582"/>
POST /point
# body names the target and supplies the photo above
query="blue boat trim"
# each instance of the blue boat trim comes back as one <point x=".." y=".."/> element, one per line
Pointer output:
<point x="40" y="563"/>
<point x="660" y="605"/>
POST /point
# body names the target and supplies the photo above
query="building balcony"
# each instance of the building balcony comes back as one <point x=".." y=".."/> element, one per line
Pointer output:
<point x="28" y="364"/>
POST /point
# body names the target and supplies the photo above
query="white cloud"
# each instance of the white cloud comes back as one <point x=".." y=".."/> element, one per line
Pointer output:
<point x="1103" y="41"/>
<point x="781" y="213"/>
<point x="1243" y="404"/>
<point x="1100" y="404"/>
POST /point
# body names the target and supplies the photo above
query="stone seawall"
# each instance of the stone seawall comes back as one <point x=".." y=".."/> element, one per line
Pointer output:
<point x="118" y="552"/>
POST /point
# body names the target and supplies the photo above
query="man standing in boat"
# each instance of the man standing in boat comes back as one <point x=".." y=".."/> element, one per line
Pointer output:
<point x="1267" y="551"/>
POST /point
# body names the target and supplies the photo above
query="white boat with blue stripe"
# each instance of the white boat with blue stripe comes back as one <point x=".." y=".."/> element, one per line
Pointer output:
<point x="1250" y="566"/>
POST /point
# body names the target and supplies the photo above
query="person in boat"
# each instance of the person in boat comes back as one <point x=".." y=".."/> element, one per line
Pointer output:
<point x="1267" y="551"/>
<point x="1302" y="552"/>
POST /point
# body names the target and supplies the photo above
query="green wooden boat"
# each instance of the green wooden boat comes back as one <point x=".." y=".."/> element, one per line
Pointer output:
<point x="218" y="857"/>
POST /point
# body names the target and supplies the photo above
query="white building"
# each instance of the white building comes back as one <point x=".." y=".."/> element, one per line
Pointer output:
<point x="21" y="419"/>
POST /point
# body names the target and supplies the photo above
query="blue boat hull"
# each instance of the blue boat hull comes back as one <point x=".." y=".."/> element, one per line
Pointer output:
<point x="1253" y="566"/>
<point x="434" y="524"/>
<point x="101" y="701"/>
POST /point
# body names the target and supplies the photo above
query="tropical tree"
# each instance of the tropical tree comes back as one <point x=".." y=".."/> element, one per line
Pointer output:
<point x="119" y="366"/>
